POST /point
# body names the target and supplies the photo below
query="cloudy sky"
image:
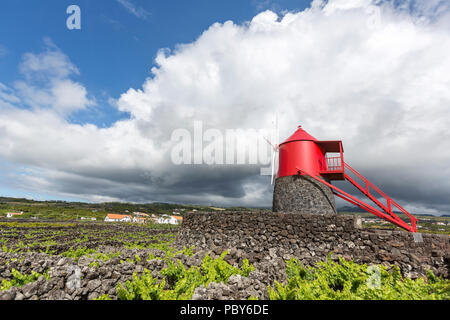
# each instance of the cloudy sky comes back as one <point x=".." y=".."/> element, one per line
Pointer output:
<point x="90" y="114"/>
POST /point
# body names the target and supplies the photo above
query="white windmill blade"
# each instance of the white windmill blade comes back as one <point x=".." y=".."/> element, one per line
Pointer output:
<point x="275" y="147"/>
<point x="273" y="165"/>
<point x="277" y="137"/>
<point x="275" y="150"/>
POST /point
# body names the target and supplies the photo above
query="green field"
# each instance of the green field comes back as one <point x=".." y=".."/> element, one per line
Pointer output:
<point x="425" y="224"/>
<point x="61" y="210"/>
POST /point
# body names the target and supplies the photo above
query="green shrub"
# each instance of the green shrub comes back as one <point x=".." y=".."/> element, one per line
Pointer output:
<point x="180" y="283"/>
<point x="19" y="279"/>
<point x="218" y="270"/>
<point x="141" y="288"/>
<point x="104" y="256"/>
<point x="348" y="280"/>
<point x="77" y="253"/>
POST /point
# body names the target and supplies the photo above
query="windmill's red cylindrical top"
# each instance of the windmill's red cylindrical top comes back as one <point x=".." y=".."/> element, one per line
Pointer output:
<point x="300" y="151"/>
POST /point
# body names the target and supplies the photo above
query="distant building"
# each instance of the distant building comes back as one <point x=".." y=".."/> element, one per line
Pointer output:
<point x="111" y="217"/>
<point x="13" y="214"/>
<point x="166" y="219"/>
<point x="179" y="219"/>
<point x="139" y="219"/>
<point x="140" y="214"/>
<point x="91" y="218"/>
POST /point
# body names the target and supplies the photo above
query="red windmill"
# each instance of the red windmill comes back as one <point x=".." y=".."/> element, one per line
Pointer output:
<point x="302" y="154"/>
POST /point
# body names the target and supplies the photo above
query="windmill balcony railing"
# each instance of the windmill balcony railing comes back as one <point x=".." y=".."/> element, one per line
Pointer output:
<point x="333" y="164"/>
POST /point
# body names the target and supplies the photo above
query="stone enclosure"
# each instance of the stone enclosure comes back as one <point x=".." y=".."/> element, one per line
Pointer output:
<point x="311" y="237"/>
<point x="267" y="239"/>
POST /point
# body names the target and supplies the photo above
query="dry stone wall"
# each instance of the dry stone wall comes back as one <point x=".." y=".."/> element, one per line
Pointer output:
<point x="310" y="238"/>
<point x="81" y="280"/>
<point x="74" y="280"/>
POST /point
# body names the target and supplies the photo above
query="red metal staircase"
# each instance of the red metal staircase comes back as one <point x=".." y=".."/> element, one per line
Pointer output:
<point x="386" y="212"/>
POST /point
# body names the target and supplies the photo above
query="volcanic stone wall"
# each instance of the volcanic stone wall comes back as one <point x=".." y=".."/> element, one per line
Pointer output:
<point x="302" y="194"/>
<point x="310" y="238"/>
<point x="69" y="279"/>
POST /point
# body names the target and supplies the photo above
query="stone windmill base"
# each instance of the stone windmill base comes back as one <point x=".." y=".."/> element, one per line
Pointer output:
<point x="302" y="194"/>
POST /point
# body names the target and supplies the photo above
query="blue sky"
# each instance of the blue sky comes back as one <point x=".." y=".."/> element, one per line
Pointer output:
<point x="117" y="43"/>
<point x="114" y="50"/>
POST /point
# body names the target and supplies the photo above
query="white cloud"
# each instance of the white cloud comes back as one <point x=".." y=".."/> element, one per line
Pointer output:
<point x="47" y="82"/>
<point x="135" y="10"/>
<point x="3" y="51"/>
<point x="7" y="95"/>
<point x="379" y="82"/>
<point x="51" y="63"/>
<point x="69" y="96"/>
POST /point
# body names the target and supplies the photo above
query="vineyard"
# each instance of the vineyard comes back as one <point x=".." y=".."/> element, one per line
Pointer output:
<point x="67" y="260"/>
<point x="61" y="237"/>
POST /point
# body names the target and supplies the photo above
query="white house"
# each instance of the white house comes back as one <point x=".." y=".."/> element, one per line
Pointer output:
<point x="139" y="219"/>
<point x="169" y="219"/>
<point x="13" y="214"/>
<point x="111" y="217"/>
<point x="91" y="218"/>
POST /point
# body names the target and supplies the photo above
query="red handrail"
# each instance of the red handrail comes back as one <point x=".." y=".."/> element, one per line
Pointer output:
<point x="390" y="202"/>
<point x="391" y="217"/>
